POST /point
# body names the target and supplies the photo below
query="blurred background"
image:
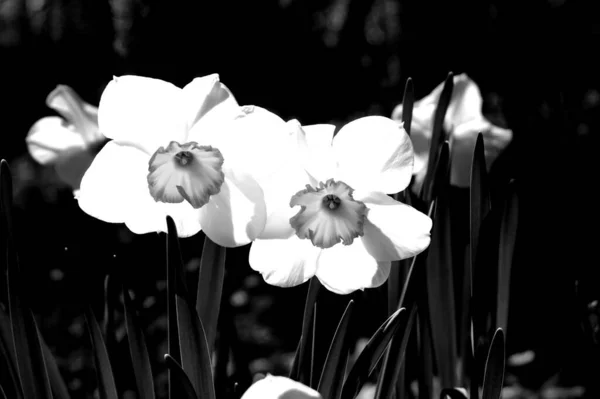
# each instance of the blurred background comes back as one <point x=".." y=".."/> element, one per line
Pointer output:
<point x="319" y="62"/>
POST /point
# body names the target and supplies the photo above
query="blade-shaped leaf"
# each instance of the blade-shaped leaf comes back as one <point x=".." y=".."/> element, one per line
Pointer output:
<point x="106" y="381"/>
<point x="181" y="386"/>
<point x="303" y="360"/>
<point x="138" y="350"/>
<point x="174" y="263"/>
<point x="2" y="394"/>
<point x="195" y="355"/>
<point x="57" y="383"/>
<point x="508" y="234"/>
<point x="7" y="354"/>
<point x="394" y="359"/>
<point x="29" y="356"/>
<point x="440" y="289"/>
<point x="210" y="287"/>
<point x="368" y="358"/>
<point x="330" y="384"/>
<point x="494" y="368"/>
<point x="408" y="101"/>
<point x="437" y="136"/>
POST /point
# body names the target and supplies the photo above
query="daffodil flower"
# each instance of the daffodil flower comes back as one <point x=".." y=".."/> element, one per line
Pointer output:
<point x="274" y="387"/>
<point x="463" y="122"/>
<point x="69" y="143"/>
<point x="334" y="220"/>
<point x="190" y="153"/>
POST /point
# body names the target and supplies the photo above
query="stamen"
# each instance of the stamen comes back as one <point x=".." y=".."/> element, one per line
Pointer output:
<point x="329" y="214"/>
<point x="187" y="172"/>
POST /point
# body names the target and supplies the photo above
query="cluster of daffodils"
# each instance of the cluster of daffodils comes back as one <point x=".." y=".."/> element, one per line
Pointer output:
<point x="311" y="202"/>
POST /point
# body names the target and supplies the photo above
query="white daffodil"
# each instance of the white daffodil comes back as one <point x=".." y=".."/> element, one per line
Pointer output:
<point x="190" y="153"/>
<point x="463" y="122"/>
<point x="273" y="387"/>
<point x="347" y="230"/>
<point x="69" y="143"/>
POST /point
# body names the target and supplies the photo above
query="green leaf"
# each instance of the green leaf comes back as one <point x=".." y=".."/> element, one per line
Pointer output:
<point x="425" y="366"/>
<point x="7" y="354"/>
<point x="181" y="386"/>
<point x="301" y="367"/>
<point x="334" y="370"/>
<point x="394" y="359"/>
<point x="195" y="355"/>
<point x="440" y="287"/>
<point x="508" y="234"/>
<point x="138" y="350"/>
<point x="174" y="263"/>
<point x="408" y="101"/>
<point x="437" y="136"/>
<point x="494" y="368"/>
<point x="57" y="383"/>
<point x="106" y="381"/>
<point x="210" y="287"/>
<point x="480" y="206"/>
<point x="29" y="356"/>
<point x="369" y="357"/>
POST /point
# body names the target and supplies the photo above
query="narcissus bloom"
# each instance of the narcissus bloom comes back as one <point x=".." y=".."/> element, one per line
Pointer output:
<point x="190" y="153"/>
<point x="463" y="122"/>
<point x="334" y="220"/>
<point x="69" y="143"/>
<point x="273" y="387"/>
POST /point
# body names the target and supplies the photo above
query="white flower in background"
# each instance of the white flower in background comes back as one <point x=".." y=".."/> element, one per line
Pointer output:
<point x="69" y="143"/>
<point x="190" y="153"/>
<point x="335" y="220"/>
<point x="463" y="122"/>
<point x="273" y="387"/>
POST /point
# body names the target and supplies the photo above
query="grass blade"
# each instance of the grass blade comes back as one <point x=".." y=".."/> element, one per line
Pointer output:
<point x="437" y="136"/>
<point x="195" y="355"/>
<point x="394" y="359"/>
<point x="174" y="263"/>
<point x="106" y="381"/>
<point x="408" y="102"/>
<point x="138" y="350"/>
<point x="508" y="234"/>
<point x="181" y="385"/>
<point x="7" y="354"/>
<point x="440" y="286"/>
<point x="330" y="384"/>
<point x="369" y="357"/>
<point x="210" y="287"/>
<point x="303" y="360"/>
<point x="494" y="368"/>
<point x="57" y="383"/>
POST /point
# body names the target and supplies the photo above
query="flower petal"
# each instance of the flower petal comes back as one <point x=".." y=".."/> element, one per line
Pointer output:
<point x="143" y="112"/>
<point x="208" y="101"/>
<point x="278" y="190"/>
<point x="284" y="262"/>
<point x="346" y="268"/>
<point x="50" y="138"/>
<point x="237" y="214"/>
<point x="495" y="140"/>
<point x="465" y="104"/>
<point x="256" y="141"/>
<point x="115" y="189"/>
<point x="83" y="116"/>
<point x="394" y="230"/>
<point x="374" y="153"/>
<point x="272" y="387"/>
<point x="315" y="152"/>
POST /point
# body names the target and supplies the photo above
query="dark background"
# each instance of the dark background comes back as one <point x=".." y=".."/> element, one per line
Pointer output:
<point x="320" y="62"/>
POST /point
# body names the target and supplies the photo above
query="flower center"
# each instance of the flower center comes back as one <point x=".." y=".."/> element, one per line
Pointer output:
<point x="185" y="172"/>
<point x="183" y="158"/>
<point x="332" y="201"/>
<point x="328" y="215"/>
